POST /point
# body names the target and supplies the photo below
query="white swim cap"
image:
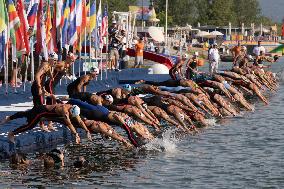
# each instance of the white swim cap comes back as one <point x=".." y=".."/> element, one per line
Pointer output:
<point x="185" y="56"/>
<point x="127" y="87"/>
<point x="109" y="98"/>
<point x="75" y="111"/>
<point x="95" y="70"/>
<point x="249" y="57"/>
<point x="53" y="56"/>
<point x="196" y="53"/>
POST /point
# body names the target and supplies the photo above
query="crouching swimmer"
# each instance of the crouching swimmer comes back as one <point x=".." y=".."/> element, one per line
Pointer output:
<point x="35" y="115"/>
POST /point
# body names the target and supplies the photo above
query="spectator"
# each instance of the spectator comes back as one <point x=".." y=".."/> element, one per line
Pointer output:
<point x="214" y="58"/>
<point x="258" y="48"/>
<point x="114" y="45"/>
<point x="139" y="53"/>
<point x="123" y="49"/>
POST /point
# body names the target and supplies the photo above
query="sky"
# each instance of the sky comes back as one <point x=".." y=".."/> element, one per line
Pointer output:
<point x="273" y="9"/>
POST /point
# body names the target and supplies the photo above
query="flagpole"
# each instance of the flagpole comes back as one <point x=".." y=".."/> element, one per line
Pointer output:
<point x="80" y="53"/>
<point x="85" y="42"/>
<point x="90" y="34"/>
<point x="26" y="72"/>
<point x="107" y="57"/>
<point x="32" y="60"/>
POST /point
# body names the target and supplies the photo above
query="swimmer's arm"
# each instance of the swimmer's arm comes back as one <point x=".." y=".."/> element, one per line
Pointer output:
<point x="70" y="125"/>
<point x="83" y="126"/>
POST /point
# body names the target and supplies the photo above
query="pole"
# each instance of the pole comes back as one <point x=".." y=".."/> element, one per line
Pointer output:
<point x="85" y="38"/>
<point x="166" y="32"/>
<point x="26" y="72"/>
<point x="80" y="53"/>
<point x="32" y="61"/>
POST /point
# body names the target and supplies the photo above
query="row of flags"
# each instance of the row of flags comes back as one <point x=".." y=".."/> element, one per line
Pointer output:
<point x="64" y="22"/>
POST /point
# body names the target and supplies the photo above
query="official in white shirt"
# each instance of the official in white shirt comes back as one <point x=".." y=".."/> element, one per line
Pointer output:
<point x="258" y="48"/>
<point x="214" y="59"/>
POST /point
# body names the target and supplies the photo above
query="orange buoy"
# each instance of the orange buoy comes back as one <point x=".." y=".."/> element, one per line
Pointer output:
<point x="200" y="62"/>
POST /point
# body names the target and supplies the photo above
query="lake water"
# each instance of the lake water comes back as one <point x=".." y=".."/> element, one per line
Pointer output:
<point x="242" y="152"/>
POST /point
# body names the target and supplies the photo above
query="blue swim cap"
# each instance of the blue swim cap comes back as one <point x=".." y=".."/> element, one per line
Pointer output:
<point x="127" y="87"/>
<point x="75" y="111"/>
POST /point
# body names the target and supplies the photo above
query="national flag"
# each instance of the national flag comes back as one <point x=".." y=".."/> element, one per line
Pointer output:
<point x="3" y="31"/>
<point x="32" y="12"/>
<point x="39" y="25"/>
<point x="15" y="32"/>
<point x="93" y="16"/>
<point x="24" y="24"/>
<point x="72" y="33"/>
<point x="79" y="12"/>
<point x="65" y="22"/>
<point x="48" y="23"/>
<point x="58" y="12"/>
<point x="3" y="16"/>
<point x="84" y="15"/>
<point x="99" y="27"/>
<point x="105" y="22"/>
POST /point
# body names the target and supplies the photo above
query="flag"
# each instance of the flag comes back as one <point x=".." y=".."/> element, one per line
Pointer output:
<point x="48" y="23"/>
<point x="79" y="12"/>
<point x="3" y="16"/>
<point x="58" y="12"/>
<point x="84" y="15"/>
<point x="99" y="29"/>
<point x="32" y="12"/>
<point x="3" y="31"/>
<point x="24" y="24"/>
<point x="93" y="16"/>
<point x="105" y="22"/>
<point x="15" y="32"/>
<point x="72" y="33"/>
<point x="65" y="22"/>
<point x="39" y="25"/>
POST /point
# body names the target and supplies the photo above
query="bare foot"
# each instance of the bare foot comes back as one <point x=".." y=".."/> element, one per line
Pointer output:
<point x="4" y="120"/>
<point x="44" y="128"/>
<point x="140" y="82"/>
<point x="11" y="137"/>
<point x="51" y="128"/>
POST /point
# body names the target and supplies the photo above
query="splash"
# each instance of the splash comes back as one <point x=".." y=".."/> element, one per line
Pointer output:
<point x="211" y="122"/>
<point x="167" y="143"/>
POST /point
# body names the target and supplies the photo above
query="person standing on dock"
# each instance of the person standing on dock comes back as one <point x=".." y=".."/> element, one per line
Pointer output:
<point x="139" y="53"/>
<point x="236" y="51"/>
<point x="214" y="59"/>
<point x="258" y="49"/>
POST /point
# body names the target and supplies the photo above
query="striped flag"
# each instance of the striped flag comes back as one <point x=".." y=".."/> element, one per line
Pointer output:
<point x="72" y="32"/>
<point x="15" y="31"/>
<point x="99" y="27"/>
<point x="105" y="22"/>
<point x="79" y="14"/>
<point x="3" y="31"/>
<point x="93" y="16"/>
<point x="32" y="11"/>
<point x="48" y="23"/>
<point x="3" y="16"/>
<point x="65" y="22"/>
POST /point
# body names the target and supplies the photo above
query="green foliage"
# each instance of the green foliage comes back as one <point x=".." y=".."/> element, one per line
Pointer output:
<point x="212" y="12"/>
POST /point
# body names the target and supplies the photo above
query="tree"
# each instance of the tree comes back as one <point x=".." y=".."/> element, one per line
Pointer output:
<point x="246" y="11"/>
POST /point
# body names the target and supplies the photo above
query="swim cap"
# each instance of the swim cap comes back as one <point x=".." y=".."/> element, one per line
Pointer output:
<point x="185" y="56"/>
<point x="127" y="87"/>
<point x="109" y="98"/>
<point x="53" y="56"/>
<point x="196" y="53"/>
<point x="75" y="111"/>
<point x="95" y="70"/>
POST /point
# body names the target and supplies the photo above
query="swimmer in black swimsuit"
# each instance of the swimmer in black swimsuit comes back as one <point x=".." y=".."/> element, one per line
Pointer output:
<point x="76" y="86"/>
<point x="35" y="114"/>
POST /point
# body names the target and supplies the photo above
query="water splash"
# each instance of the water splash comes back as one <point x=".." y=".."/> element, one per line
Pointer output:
<point x="167" y="143"/>
<point x="211" y="122"/>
